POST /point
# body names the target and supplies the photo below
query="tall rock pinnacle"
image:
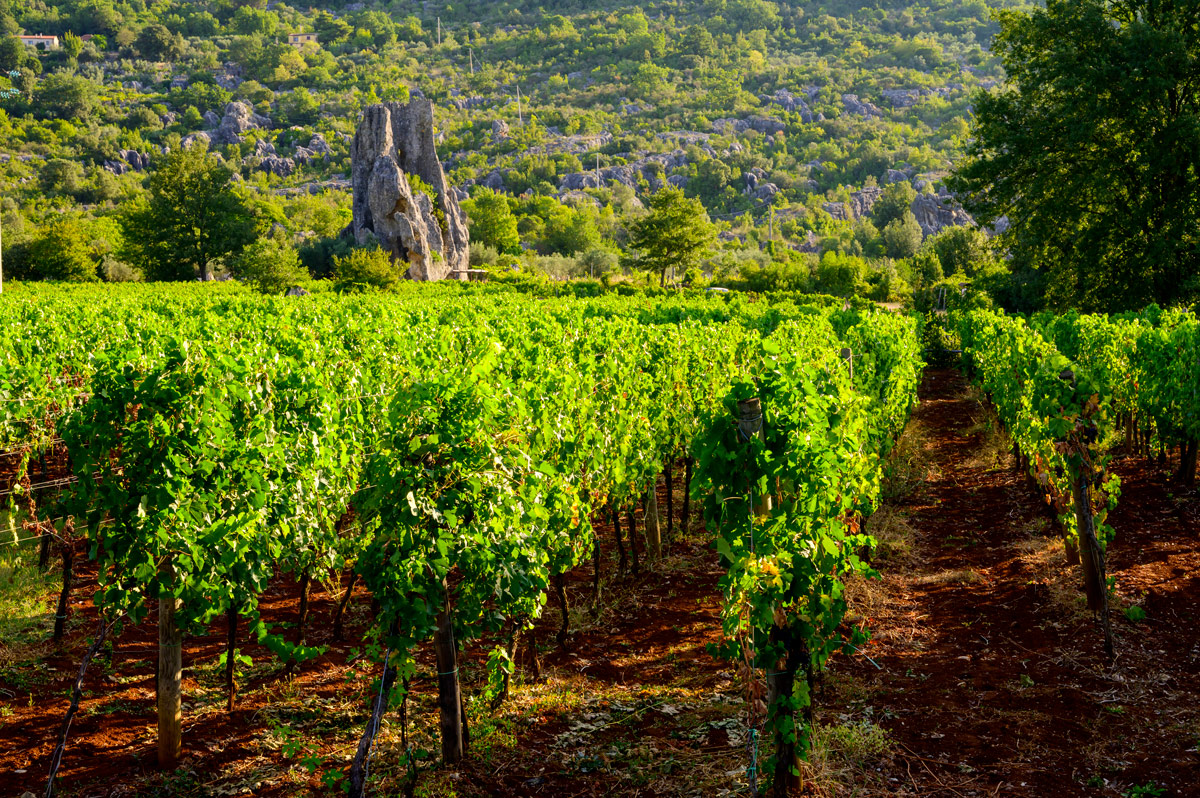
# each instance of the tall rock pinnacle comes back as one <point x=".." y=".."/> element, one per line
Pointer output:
<point x="395" y="141"/>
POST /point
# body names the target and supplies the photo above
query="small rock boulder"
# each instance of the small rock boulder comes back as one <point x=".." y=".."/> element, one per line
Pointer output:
<point x="281" y="167"/>
<point x="494" y="181"/>
<point x="318" y="144"/>
<point x="198" y="138"/>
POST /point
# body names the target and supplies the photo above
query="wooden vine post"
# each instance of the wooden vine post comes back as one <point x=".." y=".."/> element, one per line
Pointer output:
<point x="750" y="426"/>
<point x="653" y="527"/>
<point x="687" y="494"/>
<point x="449" y="691"/>
<point x="616" y="520"/>
<point x="670" y="478"/>
<point x="231" y="618"/>
<point x="170" y="678"/>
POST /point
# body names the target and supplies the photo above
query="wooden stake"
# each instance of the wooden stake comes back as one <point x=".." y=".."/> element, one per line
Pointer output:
<point x="231" y="620"/>
<point x="341" y="610"/>
<point x="633" y="548"/>
<point x="449" y="691"/>
<point x="670" y="500"/>
<point x="687" y="494"/>
<point x="170" y="683"/>
<point x="653" y="527"/>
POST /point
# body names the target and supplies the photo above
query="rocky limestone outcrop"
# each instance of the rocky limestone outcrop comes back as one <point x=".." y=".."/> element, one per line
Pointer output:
<point x="273" y="164"/>
<point x="199" y="137"/>
<point x="933" y="212"/>
<point x="654" y="169"/>
<point x="790" y="103"/>
<point x="901" y="98"/>
<point x="853" y="105"/>
<point x="763" y="124"/>
<point x="395" y="140"/>
<point x="128" y="161"/>
<point x="494" y="181"/>
<point x="936" y="213"/>
<point x="318" y="144"/>
<point x="239" y="118"/>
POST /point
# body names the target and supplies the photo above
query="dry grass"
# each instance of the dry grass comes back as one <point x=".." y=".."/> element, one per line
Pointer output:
<point x="840" y="752"/>
<point x="1047" y="562"/>
<point x="894" y="538"/>
<point x="995" y="446"/>
<point x="908" y="466"/>
<point x="958" y="576"/>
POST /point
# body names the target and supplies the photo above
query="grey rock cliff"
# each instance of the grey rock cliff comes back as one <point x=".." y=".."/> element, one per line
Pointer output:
<point x="395" y="140"/>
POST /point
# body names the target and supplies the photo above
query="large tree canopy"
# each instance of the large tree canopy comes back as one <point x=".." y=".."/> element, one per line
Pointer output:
<point x="1093" y="150"/>
<point x="191" y="220"/>
<point x="677" y="233"/>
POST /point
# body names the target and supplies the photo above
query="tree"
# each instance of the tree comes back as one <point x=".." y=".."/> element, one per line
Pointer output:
<point x="61" y="252"/>
<point x="902" y="237"/>
<point x="330" y="29"/>
<point x="191" y="220"/>
<point x="63" y="96"/>
<point x="72" y="45"/>
<point x="96" y="16"/>
<point x="380" y="27"/>
<point x="247" y="20"/>
<point x="25" y="82"/>
<point x="699" y="42"/>
<point x="570" y="231"/>
<point x="841" y="275"/>
<point x="268" y="266"/>
<point x="142" y="118"/>
<point x="492" y="221"/>
<point x="596" y="262"/>
<point x="677" y="233"/>
<point x="1091" y="151"/>
<point x="712" y="176"/>
<point x="156" y="43"/>
<point x="963" y="250"/>
<point x="896" y="200"/>
<point x="60" y="176"/>
<point x="12" y="53"/>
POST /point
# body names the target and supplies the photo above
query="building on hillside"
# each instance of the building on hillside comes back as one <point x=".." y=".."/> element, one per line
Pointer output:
<point x="301" y="39"/>
<point x="40" y="42"/>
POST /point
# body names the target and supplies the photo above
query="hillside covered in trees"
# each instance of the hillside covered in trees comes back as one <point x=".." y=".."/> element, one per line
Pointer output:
<point x="817" y="135"/>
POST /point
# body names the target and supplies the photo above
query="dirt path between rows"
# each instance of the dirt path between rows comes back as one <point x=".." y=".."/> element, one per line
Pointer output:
<point x="990" y="677"/>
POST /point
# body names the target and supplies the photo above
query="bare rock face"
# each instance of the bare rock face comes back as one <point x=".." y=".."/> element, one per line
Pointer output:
<point x="395" y="140"/>
<point x="935" y="214"/>
<point x="239" y="118"/>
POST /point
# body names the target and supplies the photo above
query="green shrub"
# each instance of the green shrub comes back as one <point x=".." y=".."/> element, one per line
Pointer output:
<point x="269" y="267"/>
<point x="365" y="268"/>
